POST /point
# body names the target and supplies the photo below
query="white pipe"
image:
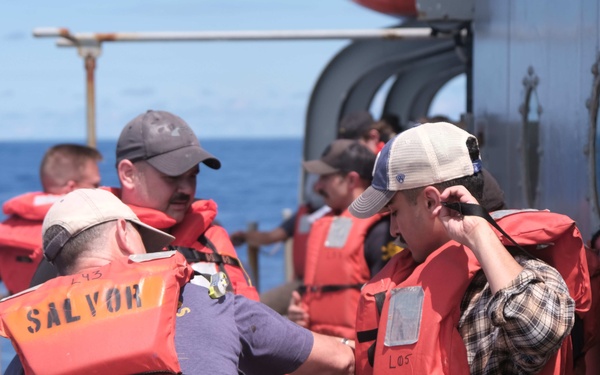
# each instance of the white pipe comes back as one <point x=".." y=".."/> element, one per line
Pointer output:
<point x="396" y="33"/>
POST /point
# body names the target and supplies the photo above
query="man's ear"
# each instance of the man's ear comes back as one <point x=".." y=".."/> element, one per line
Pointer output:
<point x="431" y="197"/>
<point x="124" y="237"/>
<point x="126" y="173"/>
<point x="353" y="179"/>
<point x="70" y="186"/>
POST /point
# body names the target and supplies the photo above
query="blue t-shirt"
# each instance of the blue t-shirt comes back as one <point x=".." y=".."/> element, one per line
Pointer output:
<point x="231" y="335"/>
<point x="214" y="336"/>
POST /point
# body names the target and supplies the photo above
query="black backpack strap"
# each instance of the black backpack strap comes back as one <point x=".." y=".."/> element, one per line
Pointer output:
<point x="470" y="209"/>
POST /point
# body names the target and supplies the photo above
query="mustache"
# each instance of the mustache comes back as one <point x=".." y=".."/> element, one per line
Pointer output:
<point x="322" y="193"/>
<point x="180" y="197"/>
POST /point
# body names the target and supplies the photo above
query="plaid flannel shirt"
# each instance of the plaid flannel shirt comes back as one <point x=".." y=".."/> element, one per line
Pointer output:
<point x="517" y="329"/>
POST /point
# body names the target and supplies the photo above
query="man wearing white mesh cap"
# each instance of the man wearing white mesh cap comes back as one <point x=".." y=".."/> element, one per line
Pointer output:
<point x="461" y="300"/>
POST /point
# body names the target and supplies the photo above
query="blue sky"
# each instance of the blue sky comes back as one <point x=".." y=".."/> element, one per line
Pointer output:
<point x="222" y="89"/>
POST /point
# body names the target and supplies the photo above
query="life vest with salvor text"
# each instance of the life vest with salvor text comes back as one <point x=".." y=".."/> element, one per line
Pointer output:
<point x="114" y="319"/>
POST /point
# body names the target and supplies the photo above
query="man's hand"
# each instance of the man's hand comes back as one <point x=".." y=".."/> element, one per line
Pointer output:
<point x="297" y="311"/>
<point x="328" y="357"/>
<point x="474" y="232"/>
<point x="460" y="228"/>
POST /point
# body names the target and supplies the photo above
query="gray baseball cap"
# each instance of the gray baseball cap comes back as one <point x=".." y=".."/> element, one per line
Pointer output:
<point x="165" y="141"/>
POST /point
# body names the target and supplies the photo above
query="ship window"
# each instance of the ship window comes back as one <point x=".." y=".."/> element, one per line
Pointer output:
<point x="530" y="112"/>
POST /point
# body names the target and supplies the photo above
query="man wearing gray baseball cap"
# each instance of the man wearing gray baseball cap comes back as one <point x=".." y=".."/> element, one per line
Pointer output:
<point x="158" y="160"/>
<point x="342" y="252"/>
<point x="457" y="301"/>
<point x="118" y="310"/>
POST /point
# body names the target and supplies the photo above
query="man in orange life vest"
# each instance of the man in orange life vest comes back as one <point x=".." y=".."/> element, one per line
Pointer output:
<point x="64" y="168"/>
<point x="359" y="126"/>
<point x="118" y="310"/>
<point x="458" y="301"/>
<point x="158" y="157"/>
<point x="296" y="227"/>
<point x="342" y="252"/>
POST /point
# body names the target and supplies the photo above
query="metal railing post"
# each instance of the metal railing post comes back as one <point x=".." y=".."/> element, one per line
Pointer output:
<point x="90" y="67"/>
<point x="253" y="261"/>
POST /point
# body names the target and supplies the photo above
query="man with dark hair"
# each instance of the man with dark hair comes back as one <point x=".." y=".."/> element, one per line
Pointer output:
<point x="64" y="168"/>
<point x="354" y="125"/>
<point x="139" y="311"/>
<point x="459" y="301"/>
<point x="342" y="252"/>
<point x="297" y="226"/>
<point x="361" y="126"/>
<point x="158" y="161"/>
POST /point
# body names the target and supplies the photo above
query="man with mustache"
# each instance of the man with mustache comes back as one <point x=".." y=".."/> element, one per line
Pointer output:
<point x="158" y="160"/>
<point x="342" y="252"/>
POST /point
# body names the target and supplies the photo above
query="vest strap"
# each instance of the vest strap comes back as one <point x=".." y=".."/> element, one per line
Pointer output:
<point x="379" y="301"/>
<point x="327" y="288"/>
<point x="470" y="209"/>
<point x="364" y="336"/>
<point x="195" y="256"/>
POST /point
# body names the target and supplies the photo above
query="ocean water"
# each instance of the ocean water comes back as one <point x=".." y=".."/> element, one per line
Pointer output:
<point x="258" y="182"/>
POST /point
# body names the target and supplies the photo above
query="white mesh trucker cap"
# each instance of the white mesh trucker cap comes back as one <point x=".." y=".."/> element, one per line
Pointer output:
<point x="424" y="155"/>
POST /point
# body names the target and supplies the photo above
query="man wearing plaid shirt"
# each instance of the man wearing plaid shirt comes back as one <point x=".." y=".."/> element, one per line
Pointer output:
<point x="458" y="302"/>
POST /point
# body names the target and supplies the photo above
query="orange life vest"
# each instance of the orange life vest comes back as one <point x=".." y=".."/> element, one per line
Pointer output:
<point x="436" y="347"/>
<point x="301" y="231"/>
<point x="203" y="243"/>
<point x="335" y="271"/>
<point x="21" y="238"/>
<point x="114" y="319"/>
